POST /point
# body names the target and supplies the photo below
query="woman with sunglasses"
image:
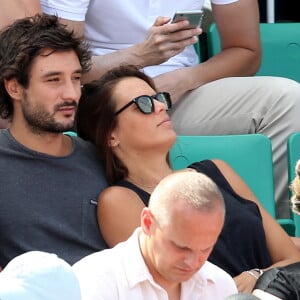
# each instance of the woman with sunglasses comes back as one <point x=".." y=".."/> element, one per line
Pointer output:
<point x="127" y="120"/>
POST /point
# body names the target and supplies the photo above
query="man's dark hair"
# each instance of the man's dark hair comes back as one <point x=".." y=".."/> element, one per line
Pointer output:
<point x="24" y="40"/>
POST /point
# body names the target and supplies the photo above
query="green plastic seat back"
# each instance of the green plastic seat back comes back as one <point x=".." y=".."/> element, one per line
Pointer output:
<point x="213" y="40"/>
<point x="280" y="48"/>
<point x="249" y="155"/>
<point x="198" y="51"/>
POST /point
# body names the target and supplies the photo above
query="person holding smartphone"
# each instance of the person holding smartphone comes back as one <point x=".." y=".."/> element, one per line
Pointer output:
<point x="218" y="96"/>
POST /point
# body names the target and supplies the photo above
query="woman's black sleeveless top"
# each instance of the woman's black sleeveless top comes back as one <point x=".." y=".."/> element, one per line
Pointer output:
<point x="241" y="245"/>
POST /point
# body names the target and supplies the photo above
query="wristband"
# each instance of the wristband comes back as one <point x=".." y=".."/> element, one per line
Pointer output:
<point x="256" y="276"/>
<point x="259" y="271"/>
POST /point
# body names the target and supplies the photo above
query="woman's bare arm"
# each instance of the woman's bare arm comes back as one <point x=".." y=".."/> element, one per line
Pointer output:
<point x="119" y="212"/>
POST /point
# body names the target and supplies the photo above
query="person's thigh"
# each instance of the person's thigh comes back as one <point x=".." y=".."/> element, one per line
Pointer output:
<point x="239" y="105"/>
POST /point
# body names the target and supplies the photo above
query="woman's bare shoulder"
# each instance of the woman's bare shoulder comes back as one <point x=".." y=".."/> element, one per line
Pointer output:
<point x="114" y="194"/>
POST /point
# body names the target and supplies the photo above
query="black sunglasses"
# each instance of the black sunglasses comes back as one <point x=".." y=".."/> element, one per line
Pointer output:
<point x="145" y="103"/>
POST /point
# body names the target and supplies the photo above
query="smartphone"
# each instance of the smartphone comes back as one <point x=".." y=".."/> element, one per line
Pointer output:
<point x="193" y="16"/>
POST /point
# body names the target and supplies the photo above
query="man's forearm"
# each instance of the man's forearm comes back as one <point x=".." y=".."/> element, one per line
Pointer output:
<point x="103" y="63"/>
<point x="229" y="63"/>
<point x="11" y="10"/>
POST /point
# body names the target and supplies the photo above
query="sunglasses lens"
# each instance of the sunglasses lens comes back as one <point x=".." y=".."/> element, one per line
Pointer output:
<point x="164" y="98"/>
<point x="145" y="104"/>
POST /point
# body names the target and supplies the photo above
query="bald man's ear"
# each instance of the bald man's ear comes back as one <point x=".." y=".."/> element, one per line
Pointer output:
<point x="13" y="88"/>
<point x="147" y="220"/>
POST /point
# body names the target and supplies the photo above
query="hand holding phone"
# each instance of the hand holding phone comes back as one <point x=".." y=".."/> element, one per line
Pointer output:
<point x="193" y="16"/>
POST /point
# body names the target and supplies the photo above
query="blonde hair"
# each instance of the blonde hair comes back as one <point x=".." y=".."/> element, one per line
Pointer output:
<point x="295" y="189"/>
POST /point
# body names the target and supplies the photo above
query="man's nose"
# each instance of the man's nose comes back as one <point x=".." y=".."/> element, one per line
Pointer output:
<point x="71" y="90"/>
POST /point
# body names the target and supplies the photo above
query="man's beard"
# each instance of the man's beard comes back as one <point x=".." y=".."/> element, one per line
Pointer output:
<point x="41" y="121"/>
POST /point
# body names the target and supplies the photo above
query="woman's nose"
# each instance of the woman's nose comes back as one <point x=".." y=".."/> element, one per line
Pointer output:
<point x="159" y="106"/>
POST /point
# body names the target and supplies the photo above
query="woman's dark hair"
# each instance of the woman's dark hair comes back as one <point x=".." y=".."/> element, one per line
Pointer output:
<point x="24" y="40"/>
<point x="96" y="116"/>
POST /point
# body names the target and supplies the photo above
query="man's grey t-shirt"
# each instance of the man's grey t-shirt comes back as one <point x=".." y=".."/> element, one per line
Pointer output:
<point x="49" y="203"/>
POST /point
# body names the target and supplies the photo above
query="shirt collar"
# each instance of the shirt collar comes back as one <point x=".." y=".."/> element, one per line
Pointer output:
<point x="198" y="281"/>
<point x="137" y="271"/>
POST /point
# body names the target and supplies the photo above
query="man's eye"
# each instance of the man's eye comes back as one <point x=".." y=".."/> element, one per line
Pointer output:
<point x="181" y="248"/>
<point x="76" y="78"/>
<point x="53" y="79"/>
